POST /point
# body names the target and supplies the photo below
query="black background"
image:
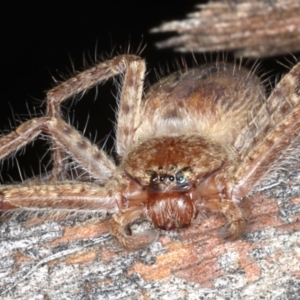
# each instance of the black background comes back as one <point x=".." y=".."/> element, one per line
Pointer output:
<point x="45" y="40"/>
<point x="48" y="39"/>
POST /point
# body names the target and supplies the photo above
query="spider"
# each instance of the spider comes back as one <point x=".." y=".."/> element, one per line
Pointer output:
<point x="198" y="141"/>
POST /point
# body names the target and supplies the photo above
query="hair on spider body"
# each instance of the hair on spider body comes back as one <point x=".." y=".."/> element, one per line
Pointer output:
<point x="196" y="141"/>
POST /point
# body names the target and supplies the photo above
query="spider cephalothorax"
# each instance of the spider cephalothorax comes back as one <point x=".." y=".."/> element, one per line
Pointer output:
<point x="171" y="170"/>
<point x="196" y="141"/>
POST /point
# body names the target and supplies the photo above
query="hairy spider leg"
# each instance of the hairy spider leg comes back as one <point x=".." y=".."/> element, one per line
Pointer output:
<point x="129" y="105"/>
<point x="279" y="123"/>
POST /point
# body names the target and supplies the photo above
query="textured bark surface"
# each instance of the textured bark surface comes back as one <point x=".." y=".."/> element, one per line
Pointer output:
<point x="250" y="28"/>
<point x="76" y="258"/>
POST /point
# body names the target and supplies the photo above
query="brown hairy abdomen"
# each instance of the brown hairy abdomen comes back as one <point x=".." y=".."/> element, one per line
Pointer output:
<point x="216" y="101"/>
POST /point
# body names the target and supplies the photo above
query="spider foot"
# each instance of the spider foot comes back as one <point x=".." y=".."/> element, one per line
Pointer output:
<point x="233" y="230"/>
<point x="132" y="234"/>
<point x="236" y="221"/>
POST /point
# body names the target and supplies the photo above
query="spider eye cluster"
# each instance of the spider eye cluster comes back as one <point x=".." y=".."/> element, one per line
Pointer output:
<point x="179" y="178"/>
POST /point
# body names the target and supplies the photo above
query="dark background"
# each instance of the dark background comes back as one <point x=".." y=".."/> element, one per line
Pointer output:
<point x="46" y="40"/>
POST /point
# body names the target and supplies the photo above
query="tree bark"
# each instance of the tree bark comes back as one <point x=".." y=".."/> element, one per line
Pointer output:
<point x="74" y="257"/>
<point x="250" y="28"/>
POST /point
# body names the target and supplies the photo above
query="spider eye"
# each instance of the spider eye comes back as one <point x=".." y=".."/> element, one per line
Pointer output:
<point x="153" y="176"/>
<point x="180" y="178"/>
<point x="171" y="177"/>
